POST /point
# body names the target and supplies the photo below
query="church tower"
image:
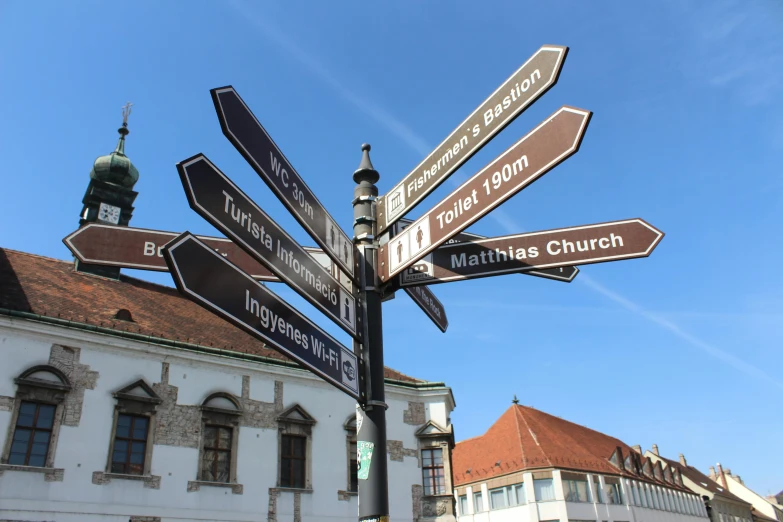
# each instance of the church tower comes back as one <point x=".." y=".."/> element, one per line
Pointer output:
<point x="110" y="196"/>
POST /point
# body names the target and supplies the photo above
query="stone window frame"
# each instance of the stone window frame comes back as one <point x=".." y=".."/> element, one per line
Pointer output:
<point x="351" y="437"/>
<point x="434" y="436"/>
<point x="225" y="417"/>
<point x="128" y="403"/>
<point x="297" y="422"/>
<point x="41" y="391"/>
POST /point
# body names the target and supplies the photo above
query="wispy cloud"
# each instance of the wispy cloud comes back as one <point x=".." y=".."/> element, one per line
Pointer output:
<point x="421" y="146"/>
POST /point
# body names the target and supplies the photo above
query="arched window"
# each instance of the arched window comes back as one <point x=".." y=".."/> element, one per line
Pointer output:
<point x="36" y="418"/>
<point x="350" y="440"/>
<point x="220" y="416"/>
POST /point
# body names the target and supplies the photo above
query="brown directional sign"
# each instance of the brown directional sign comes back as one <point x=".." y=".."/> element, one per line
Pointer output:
<point x="143" y="249"/>
<point x="552" y="142"/>
<point x="430" y="304"/>
<point x="583" y="245"/>
<point x="528" y="83"/>
<point x="218" y="200"/>
<point x="246" y="133"/>
<point x="565" y="274"/>
<point x="219" y="286"/>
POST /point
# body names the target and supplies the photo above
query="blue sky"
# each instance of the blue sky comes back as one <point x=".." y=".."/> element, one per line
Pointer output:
<point x="682" y="349"/>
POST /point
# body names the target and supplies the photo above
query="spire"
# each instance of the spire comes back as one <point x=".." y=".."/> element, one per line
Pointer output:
<point x="515" y="401"/>
<point x="126" y="110"/>
<point x="366" y="171"/>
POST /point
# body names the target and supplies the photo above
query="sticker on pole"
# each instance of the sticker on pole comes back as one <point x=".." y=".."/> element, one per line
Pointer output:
<point x="359" y="418"/>
<point x="364" y="458"/>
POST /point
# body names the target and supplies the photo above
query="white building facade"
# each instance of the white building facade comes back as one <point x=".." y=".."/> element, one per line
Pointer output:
<point x="561" y="495"/>
<point x="97" y="427"/>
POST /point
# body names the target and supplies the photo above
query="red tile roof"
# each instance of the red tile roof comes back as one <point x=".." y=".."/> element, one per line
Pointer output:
<point x="703" y="480"/>
<point x="524" y="438"/>
<point x="53" y="289"/>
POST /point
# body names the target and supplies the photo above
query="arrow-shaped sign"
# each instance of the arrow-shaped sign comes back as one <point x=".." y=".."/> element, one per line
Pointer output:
<point x="542" y="149"/>
<point x="218" y="200"/>
<point x="142" y="249"/>
<point x="583" y="245"/>
<point x="565" y="274"/>
<point x="246" y="133"/>
<point x="430" y="305"/>
<point x="219" y="286"/>
<point x="528" y="83"/>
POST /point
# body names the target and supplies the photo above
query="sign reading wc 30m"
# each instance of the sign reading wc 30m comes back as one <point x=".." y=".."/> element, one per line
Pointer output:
<point x="249" y="137"/>
<point x="216" y="284"/>
<point x="218" y="200"/>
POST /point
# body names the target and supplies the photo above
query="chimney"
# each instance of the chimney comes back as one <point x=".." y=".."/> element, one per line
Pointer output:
<point x="655" y="449"/>
<point x="712" y="472"/>
<point x="637" y="449"/>
<point x="682" y="460"/>
<point x="721" y="476"/>
<point x="728" y="471"/>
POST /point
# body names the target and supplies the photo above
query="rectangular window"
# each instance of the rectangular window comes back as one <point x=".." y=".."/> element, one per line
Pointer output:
<point x="216" y="466"/>
<point x="613" y="494"/>
<point x="519" y="492"/>
<point x="599" y="495"/>
<point x="292" y="462"/>
<point x="130" y="445"/>
<point x="463" y="505"/>
<point x="354" y="482"/>
<point x="32" y="435"/>
<point x="497" y="498"/>
<point x="432" y="472"/>
<point x="544" y="489"/>
<point x="478" y="503"/>
<point x="635" y="493"/>
<point x="576" y="491"/>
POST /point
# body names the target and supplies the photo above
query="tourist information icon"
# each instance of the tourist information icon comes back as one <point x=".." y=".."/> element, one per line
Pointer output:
<point x="583" y="245"/>
<point x="218" y="200"/>
<point x="216" y="284"/>
<point x="556" y="139"/>
<point x="528" y="83"/>
<point x="246" y="133"/>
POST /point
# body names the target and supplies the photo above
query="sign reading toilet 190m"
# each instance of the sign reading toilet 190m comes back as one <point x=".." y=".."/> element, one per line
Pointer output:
<point x="583" y="245"/>
<point x="244" y="131"/>
<point x="552" y="142"/>
<point x="219" y="286"/>
<point x="528" y="83"/>
<point x="218" y="200"/>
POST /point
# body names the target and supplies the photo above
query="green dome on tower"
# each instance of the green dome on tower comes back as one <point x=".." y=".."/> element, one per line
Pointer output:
<point x="116" y="168"/>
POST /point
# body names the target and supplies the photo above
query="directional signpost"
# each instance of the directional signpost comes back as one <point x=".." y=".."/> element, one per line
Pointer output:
<point x="538" y="152"/>
<point x="563" y="273"/>
<point x="349" y="279"/>
<point x="218" y="200"/>
<point x="246" y="133"/>
<point x="221" y="287"/>
<point x="547" y="249"/>
<point x="528" y="83"/>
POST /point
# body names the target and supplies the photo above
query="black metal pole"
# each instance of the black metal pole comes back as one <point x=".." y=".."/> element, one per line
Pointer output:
<point x="374" y="489"/>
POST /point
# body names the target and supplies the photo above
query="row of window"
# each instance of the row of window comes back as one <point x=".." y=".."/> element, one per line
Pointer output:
<point x="576" y="489"/>
<point x="130" y="446"/>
